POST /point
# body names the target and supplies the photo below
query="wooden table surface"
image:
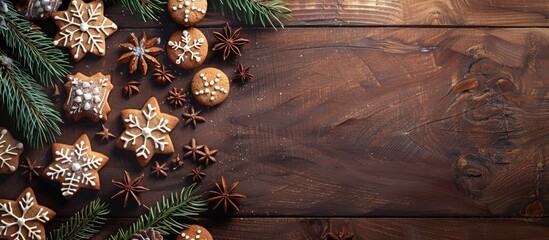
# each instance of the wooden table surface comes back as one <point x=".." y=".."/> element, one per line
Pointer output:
<point x="397" y="119"/>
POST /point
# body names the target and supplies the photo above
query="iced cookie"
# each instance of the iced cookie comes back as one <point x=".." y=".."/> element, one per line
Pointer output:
<point x="88" y="96"/>
<point x="210" y="86"/>
<point x="187" y="48"/>
<point x="10" y="151"/>
<point x="195" y="232"/>
<point x="187" y="12"/>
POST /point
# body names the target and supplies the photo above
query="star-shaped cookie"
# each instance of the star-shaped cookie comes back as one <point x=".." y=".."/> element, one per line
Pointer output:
<point x="10" y="151"/>
<point x="83" y="28"/>
<point x="88" y="96"/>
<point x="147" y="131"/>
<point x="23" y="218"/>
<point x="75" y="166"/>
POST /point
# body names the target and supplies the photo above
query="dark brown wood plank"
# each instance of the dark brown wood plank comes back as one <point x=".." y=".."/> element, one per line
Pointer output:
<point x="386" y="13"/>
<point x="353" y="122"/>
<point x="363" y="228"/>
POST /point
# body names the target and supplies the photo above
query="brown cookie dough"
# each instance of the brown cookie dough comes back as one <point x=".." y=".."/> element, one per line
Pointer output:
<point x="187" y="48"/>
<point x="10" y="151"/>
<point x="187" y="12"/>
<point x="88" y="96"/>
<point x="210" y="86"/>
<point x="195" y="232"/>
<point x="147" y="131"/>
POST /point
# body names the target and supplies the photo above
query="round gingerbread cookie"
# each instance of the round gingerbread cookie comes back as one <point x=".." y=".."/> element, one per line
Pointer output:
<point x="187" y="12"/>
<point x="195" y="232"/>
<point x="210" y="86"/>
<point x="187" y="48"/>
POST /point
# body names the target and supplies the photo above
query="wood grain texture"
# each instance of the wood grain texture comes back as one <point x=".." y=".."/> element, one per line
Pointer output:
<point x="373" y="228"/>
<point x="351" y="122"/>
<point x="385" y="13"/>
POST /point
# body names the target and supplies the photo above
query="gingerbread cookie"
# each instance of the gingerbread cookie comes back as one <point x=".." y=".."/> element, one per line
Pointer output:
<point x="88" y="96"/>
<point x="10" y="151"/>
<point x="75" y="166"/>
<point x="187" y="12"/>
<point x="147" y="131"/>
<point x="195" y="232"/>
<point x="210" y="86"/>
<point x="83" y="28"/>
<point x="187" y="48"/>
<point x="37" y="9"/>
<point x="23" y="218"/>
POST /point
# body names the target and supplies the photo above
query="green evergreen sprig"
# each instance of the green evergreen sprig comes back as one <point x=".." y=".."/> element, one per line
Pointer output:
<point x="165" y="216"/>
<point x="31" y="111"/>
<point x="251" y="11"/>
<point x="33" y="48"/>
<point x="84" y="224"/>
<point x="148" y="9"/>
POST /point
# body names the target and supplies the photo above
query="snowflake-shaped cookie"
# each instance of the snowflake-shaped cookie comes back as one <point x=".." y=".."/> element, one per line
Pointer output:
<point x="75" y="166"/>
<point x="147" y="131"/>
<point x="23" y="218"/>
<point x="83" y="28"/>
<point x="87" y="96"/>
<point x="10" y="150"/>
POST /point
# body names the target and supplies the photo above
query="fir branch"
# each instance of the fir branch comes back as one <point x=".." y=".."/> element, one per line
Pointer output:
<point x="84" y="224"/>
<point x="162" y="217"/>
<point x="149" y="9"/>
<point x="250" y="11"/>
<point x="34" y="49"/>
<point x="31" y="112"/>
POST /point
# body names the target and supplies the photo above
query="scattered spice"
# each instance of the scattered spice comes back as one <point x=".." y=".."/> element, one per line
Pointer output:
<point x="342" y="234"/>
<point x="193" y="149"/>
<point x="243" y="74"/>
<point x="208" y="156"/>
<point x="105" y="134"/>
<point x="229" y="41"/>
<point x="176" y="163"/>
<point x="129" y="187"/>
<point x="159" y="169"/>
<point x="130" y="89"/>
<point x="225" y="196"/>
<point x="197" y="174"/>
<point x="177" y="97"/>
<point x="163" y="75"/>
<point x="192" y="117"/>
<point x="31" y="168"/>
<point x="141" y="52"/>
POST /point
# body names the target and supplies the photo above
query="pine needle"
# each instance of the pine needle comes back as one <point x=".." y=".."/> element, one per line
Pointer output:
<point x="149" y="9"/>
<point x="162" y="217"/>
<point x="31" y="112"/>
<point x="34" y="49"/>
<point x="84" y="224"/>
<point x="251" y="11"/>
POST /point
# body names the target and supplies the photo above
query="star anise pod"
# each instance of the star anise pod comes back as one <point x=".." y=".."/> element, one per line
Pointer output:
<point x="105" y="134"/>
<point x="341" y="235"/>
<point x="197" y="174"/>
<point x="193" y="149"/>
<point x="208" y="155"/>
<point x="141" y="52"/>
<point x="176" y="163"/>
<point x="159" y="169"/>
<point x="130" y="89"/>
<point x="192" y="117"/>
<point x="30" y="168"/>
<point x="229" y="41"/>
<point x="129" y="187"/>
<point x="163" y="75"/>
<point x="225" y="196"/>
<point x="243" y="74"/>
<point x="177" y="97"/>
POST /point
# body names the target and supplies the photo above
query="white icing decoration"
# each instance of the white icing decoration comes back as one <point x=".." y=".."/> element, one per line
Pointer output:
<point x="74" y="167"/>
<point x="187" y="6"/>
<point x="22" y="222"/>
<point x="86" y="95"/>
<point x="146" y="131"/>
<point x="187" y="47"/>
<point x="6" y="155"/>
<point x="85" y="20"/>
<point x="211" y="87"/>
